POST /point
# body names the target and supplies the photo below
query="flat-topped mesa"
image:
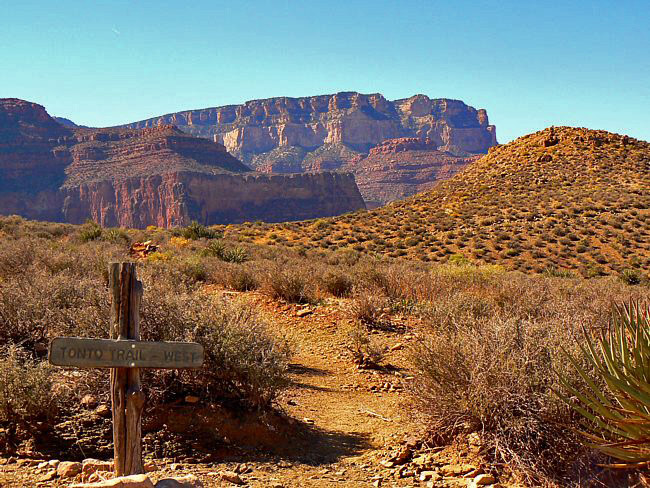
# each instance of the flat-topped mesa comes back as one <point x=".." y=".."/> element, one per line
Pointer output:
<point x="153" y="176"/>
<point x="355" y="120"/>
<point x="118" y="134"/>
<point x="330" y="132"/>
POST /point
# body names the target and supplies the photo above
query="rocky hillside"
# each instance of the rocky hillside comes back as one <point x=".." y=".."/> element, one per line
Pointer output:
<point x="291" y="135"/>
<point x="563" y="198"/>
<point x="398" y="168"/>
<point x="155" y="176"/>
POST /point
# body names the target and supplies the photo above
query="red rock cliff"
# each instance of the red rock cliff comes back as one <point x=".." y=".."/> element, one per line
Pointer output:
<point x="155" y="176"/>
<point x="174" y="199"/>
<point x="256" y="129"/>
<point x="398" y="168"/>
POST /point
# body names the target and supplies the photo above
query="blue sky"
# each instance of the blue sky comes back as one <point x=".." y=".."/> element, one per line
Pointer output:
<point x="530" y="64"/>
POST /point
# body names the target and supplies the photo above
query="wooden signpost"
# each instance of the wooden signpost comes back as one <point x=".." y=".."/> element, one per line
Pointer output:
<point x="124" y="354"/>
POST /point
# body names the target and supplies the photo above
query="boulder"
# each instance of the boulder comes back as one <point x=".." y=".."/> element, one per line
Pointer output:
<point x="68" y="469"/>
<point x="188" y="481"/>
<point x="92" y="465"/>
<point x="231" y="477"/>
<point x="133" y="481"/>
<point x="483" y="480"/>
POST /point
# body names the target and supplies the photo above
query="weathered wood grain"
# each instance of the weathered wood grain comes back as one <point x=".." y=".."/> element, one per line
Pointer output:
<point x="120" y="275"/>
<point x="125" y="355"/>
<point x="109" y="353"/>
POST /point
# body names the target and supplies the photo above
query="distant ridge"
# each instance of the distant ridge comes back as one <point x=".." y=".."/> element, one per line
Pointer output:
<point x="67" y="122"/>
<point x="330" y="132"/>
<point x="139" y="177"/>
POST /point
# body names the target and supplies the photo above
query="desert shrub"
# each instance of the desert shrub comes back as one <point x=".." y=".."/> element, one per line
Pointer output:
<point x="196" y="231"/>
<point x="368" y="306"/>
<point x="158" y="257"/>
<point x="366" y="351"/>
<point x="237" y="255"/>
<point x="371" y="273"/>
<point x="16" y="257"/>
<point x="487" y="362"/>
<point x="228" y="254"/>
<point x="458" y="260"/>
<point x="180" y="242"/>
<point x="25" y="387"/>
<point x="118" y="236"/>
<point x="344" y="257"/>
<point x="494" y="378"/>
<point x="290" y="284"/>
<point x="632" y="276"/>
<point x="241" y="279"/>
<point x="553" y="271"/>
<point x="194" y="269"/>
<point x="90" y="231"/>
<point x="38" y="306"/>
<point x="336" y="282"/>
<point x="243" y="361"/>
<point x="321" y="224"/>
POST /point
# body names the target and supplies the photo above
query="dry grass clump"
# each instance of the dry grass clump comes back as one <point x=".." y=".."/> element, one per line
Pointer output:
<point x="488" y="360"/>
<point x="289" y="283"/>
<point x="366" y="352"/>
<point x="369" y="306"/>
<point x="25" y="388"/>
<point x="241" y="278"/>
<point x="337" y="283"/>
<point x="53" y="286"/>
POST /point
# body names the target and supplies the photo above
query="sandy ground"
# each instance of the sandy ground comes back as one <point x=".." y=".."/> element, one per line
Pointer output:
<point x="356" y="418"/>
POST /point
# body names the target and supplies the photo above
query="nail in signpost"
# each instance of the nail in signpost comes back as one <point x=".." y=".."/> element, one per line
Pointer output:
<point x="125" y="354"/>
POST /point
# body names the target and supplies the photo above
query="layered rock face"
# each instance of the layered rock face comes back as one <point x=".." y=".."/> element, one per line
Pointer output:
<point x="32" y="158"/>
<point x="330" y="132"/>
<point x="173" y="199"/>
<point x="398" y="168"/>
<point x="354" y="120"/>
<point x="155" y="176"/>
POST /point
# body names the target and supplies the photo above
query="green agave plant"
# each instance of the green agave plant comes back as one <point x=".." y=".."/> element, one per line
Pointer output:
<point x="616" y="421"/>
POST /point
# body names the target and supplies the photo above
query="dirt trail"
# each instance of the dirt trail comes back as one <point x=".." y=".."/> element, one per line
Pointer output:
<point x="349" y="417"/>
<point x="354" y="413"/>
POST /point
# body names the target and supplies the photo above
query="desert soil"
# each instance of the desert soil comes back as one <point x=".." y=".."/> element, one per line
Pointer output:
<point x="355" y="418"/>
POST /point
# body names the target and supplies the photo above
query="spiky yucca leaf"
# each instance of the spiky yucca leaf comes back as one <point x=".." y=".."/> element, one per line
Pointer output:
<point x="616" y="421"/>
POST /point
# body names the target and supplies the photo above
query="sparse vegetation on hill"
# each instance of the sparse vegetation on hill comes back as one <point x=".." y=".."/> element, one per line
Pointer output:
<point x="479" y="344"/>
<point x="562" y="201"/>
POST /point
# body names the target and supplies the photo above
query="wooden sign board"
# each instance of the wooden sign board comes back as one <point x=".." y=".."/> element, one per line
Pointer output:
<point x="110" y="353"/>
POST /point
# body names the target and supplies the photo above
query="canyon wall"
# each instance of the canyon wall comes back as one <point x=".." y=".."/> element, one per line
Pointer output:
<point x="398" y="168"/>
<point x="349" y="131"/>
<point x="357" y="121"/>
<point x="153" y="176"/>
<point x="175" y="199"/>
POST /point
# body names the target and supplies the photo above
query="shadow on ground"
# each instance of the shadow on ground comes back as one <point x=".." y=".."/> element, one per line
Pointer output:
<point x="205" y="435"/>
